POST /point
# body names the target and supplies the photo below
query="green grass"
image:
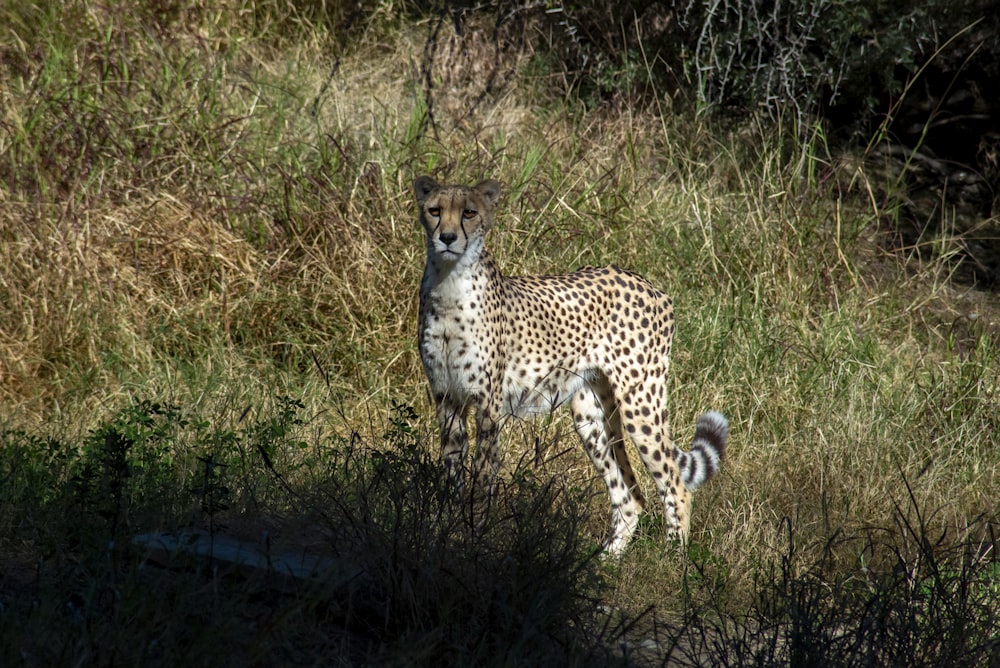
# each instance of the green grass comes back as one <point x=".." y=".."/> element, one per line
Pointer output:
<point x="208" y="302"/>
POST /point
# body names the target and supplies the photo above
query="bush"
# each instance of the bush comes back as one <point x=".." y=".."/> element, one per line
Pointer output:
<point x="847" y="58"/>
<point x="912" y="596"/>
<point x="414" y="575"/>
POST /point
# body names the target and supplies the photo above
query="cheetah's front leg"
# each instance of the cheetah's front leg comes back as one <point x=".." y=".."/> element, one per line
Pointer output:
<point x="454" y="439"/>
<point x="486" y="464"/>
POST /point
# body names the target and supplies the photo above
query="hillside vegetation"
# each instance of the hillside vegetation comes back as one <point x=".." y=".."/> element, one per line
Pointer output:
<point x="209" y="262"/>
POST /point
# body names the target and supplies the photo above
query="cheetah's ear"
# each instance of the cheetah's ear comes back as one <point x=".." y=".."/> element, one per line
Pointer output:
<point x="490" y="191"/>
<point x="423" y="186"/>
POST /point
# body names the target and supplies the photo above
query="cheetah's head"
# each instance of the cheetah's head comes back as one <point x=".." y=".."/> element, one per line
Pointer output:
<point x="456" y="218"/>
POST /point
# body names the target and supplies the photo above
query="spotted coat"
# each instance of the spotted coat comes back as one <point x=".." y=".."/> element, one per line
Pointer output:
<point x="597" y="339"/>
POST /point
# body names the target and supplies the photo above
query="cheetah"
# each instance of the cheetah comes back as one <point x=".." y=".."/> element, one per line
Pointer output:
<point x="598" y="339"/>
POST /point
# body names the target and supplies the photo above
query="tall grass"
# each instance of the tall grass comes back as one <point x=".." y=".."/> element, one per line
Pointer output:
<point x="207" y="313"/>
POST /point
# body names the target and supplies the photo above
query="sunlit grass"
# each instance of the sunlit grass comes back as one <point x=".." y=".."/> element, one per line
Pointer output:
<point x="212" y="215"/>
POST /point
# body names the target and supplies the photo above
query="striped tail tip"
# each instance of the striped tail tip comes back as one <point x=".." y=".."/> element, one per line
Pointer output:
<point x="709" y="447"/>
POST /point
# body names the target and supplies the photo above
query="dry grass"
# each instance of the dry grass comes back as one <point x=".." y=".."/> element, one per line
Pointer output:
<point x="213" y="216"/>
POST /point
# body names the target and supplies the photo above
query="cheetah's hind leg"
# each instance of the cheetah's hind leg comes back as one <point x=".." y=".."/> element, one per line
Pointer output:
<point x="597" y="422"/>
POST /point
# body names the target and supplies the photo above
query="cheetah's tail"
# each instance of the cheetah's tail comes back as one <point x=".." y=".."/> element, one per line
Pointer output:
<point x="702" y="461"/>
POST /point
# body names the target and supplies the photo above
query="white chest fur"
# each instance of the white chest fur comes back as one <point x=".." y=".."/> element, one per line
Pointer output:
<point x="453" y="346"/>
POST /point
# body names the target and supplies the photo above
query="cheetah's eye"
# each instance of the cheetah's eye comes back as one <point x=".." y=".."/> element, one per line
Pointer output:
<point x="468" y="214"/>
<point x="434" y="211"/>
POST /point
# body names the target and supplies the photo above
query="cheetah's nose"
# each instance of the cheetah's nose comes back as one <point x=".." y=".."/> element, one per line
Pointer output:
<point x="447" y="238"/>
